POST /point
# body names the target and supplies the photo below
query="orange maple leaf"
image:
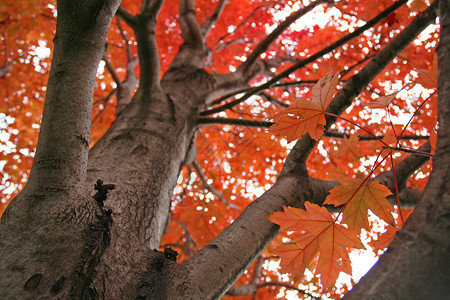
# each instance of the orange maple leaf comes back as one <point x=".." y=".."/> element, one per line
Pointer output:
<point x="315" y="232"/>
<point x="428" y="78"/>
<point x="418" y="5"/>
<point x="359" y="197"/>
<point x="385" y="239"/>
<point x="307" y="116"/>
<point x="349" y="145"/>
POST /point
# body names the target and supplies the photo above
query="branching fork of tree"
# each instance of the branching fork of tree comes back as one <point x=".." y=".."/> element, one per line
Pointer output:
<point x="87" y="221"/>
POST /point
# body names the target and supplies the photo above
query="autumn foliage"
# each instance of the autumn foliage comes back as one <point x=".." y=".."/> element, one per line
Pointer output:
<point x="390" y="119"/>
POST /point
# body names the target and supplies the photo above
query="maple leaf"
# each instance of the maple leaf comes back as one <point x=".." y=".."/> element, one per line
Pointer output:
<point x="428" y="78"/>
<point x="307" y="116"/>
<point x="385" y="239"/>
<point x="418" y="5"/>
<point x="359" y="197"/>
<point x="382" y="102"/>
<point x="349" y="145"/>
<point x="316" y="232"/>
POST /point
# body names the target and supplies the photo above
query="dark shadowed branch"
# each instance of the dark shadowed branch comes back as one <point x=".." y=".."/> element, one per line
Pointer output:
<point x="206" y="27"/>
<point x="126" y="16"/>
<point x="328" y="133"/>
<point x="237" y="122"/>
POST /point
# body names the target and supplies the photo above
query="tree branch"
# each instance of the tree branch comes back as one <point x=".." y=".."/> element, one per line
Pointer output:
<point x="328" y="133"/>
<point x="243" y="90"/>
<point x="149" y="64"/>
<point x="190" y="29"/>
<point x="244" y="21"/>
<point x="126" y="16"/>
<point x="211" y="188"/>
<point x="126" y="87"/>
<point x="341" y="135"/>
<point x="206" y="27"/>
<point x="253" y="285"/>
<point x="68" y="103"/>
<point x="310" y="59"/>
<point x="264" y="45"/>
<point x="404" y="169"/>
<point x="127" y="45"/>
<point x="111" y="70"/>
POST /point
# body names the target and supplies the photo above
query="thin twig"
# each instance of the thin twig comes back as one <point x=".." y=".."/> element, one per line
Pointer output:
<point x="126" y="16"/>
<point x="210" y="188"/>
<point x="264" y="45"/>
<point x="220" y="40"/>
<point x="206" y="27"/>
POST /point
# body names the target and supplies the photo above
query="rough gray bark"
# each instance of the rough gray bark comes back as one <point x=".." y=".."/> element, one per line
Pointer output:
<point x="62" y="238"/>
<point x="53" y="234"/>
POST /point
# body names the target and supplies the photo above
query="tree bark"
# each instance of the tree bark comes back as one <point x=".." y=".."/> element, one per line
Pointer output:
<point x="52" y="234"/>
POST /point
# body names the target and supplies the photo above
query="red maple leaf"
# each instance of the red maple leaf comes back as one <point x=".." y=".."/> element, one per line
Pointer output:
<point x="307" y="116"/>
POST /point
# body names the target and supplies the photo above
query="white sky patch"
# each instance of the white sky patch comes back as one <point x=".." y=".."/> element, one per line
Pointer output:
<point x="42" y="51"/>
<point x="101" y="67"/>
<point x="5" y="145"/>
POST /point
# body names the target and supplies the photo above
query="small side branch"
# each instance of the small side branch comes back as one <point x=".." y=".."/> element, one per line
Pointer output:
<point x="189" y="26"/>
<point x="210" y="188"/>
<point x="126" y="16"/>
<point x="111" y="70"/>
<point x="341" y="135"/>
<point x="206" y="27"/>
<point x="126" y="87"/>
<point x="254" y="285"/>
<point x="405" y="169"/>
<point x="236" y="122"/>
<point x="329" y="133"/>
<point x="221" y="40"/>
<point x="145" y="30"/>
<point x="264" y="45"/>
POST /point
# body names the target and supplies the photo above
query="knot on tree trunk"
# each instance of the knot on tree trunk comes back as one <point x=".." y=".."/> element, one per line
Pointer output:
<point x="102" y="191"/>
